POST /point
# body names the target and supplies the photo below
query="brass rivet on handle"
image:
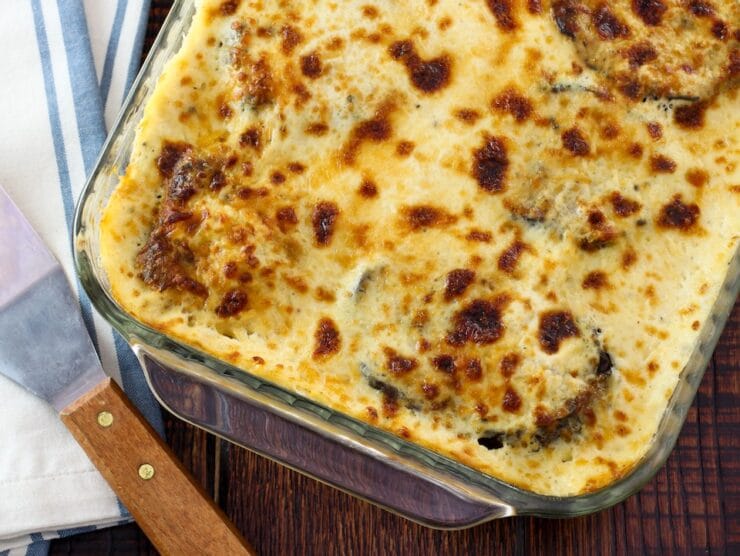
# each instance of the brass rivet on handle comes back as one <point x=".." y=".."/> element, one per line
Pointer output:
<point x="105" y="419"/>
<point x="146" y="471"/>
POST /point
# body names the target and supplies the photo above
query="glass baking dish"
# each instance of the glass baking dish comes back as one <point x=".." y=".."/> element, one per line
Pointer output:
<point x="295" y="431"/>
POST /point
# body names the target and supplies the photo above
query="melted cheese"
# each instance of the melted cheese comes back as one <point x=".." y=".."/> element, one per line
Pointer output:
<point x="452" y="221"/>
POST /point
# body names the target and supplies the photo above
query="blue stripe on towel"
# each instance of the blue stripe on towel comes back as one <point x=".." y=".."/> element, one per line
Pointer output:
<point x="59" y="149"/>
<point x="76" y="531"/>
<point x="38" y="548"/>
<point x="112" y="50"/>
<point x="85" y="90"/>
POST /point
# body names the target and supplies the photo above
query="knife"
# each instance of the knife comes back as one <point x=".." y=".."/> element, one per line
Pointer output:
<point x="45" y="348"/>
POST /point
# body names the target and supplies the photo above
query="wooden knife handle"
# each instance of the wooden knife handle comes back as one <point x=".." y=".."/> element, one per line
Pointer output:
<point x="173" y="510"/>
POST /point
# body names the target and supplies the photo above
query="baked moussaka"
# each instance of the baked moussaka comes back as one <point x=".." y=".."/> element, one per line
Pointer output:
<point x="494" y="228"/>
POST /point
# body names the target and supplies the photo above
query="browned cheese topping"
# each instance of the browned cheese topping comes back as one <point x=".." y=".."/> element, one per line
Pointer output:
<point x="493" y="228"/>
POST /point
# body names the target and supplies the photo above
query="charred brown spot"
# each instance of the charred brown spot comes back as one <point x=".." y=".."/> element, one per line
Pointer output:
<point x="574" y="141"/>
<point x="301" y="93"/>
<point x="327" y="339"/>
<point x="427" y="75"/>
<point x="296" y="167"/>
<point x="555" y="327"/>
<point x="230" y="270"/>
<point x="232" y="303"/>
<point x="171" y="215"/>
<point x="509" y="258"/>
<point x="467" y="115"/>
<point x="720" y="30"/>
<point x="405" y="148"/>
<point x="390" y="403"/>
<point x="608" y="26"/>
<point x="398" y="365"/>
<point x="509" y="363"/>
<point x="187" y="175"/>
<point x="258" y="82"/>
<point x="473" y="370"/>
<point x="733" y="68"/>
<point x="650" y="11"/>
<point x="512" y="402"/>
<point x="479" y="322"/>
<point x="629" y="258"/>
<point x="218" y="181"/>
<point x="623" y="206"/>
<point x="596" y="219"/>
<point x="514" y="103"/>
<point x="370" y="12"/>
<point x="640" y="54"/>
<point x="444" y="23"/>
<point x="250" y="193"/>
<point x="317" y="128"/>
<point x="610" y="131"/>
<point x="166" y="264"/>
<point x="503" y="12"/>
<point x="323" y="219"/>
<point x="229" y="7"/>
<point x="444" y="363"/>
<point x="630" y="88"/>
<point x="419" y="217"/>
<point x="700" y="8"/>
<point x="595" y="280"/>
<point x="224" y="111"/>
<point x="286" y="218"/>
<point x="251" y="138"/>
<point x="374" y="130"/>
<point x="565" y="13"/>
<point x="277" y="177"/>
<point x="169" y="156"/>
<point x="490" y="164"/>
<point x="368" y="189"/>
<point x="662" y="164"/>
<point x="542" y="417"/>
<point x="690" y="116"/>
<point x="479" y="235"/>
<point x="457" y="282"/>
<point x="311" y="65"/>
<point x="430" y="390"/>
<point x="635" y="150"/>
<point x="678" y="215"/>
<point x="291" y="37"/>
<point x="697" y="177"/>
<point x="655" y="130"/>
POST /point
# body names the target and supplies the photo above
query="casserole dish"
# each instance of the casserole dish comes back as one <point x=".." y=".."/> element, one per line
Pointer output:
<point x="335" y="448"/>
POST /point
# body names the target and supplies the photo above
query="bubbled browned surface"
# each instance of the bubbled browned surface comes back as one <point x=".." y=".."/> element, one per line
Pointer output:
<point x="239" y="212"/>
<point x="686" y="508"/>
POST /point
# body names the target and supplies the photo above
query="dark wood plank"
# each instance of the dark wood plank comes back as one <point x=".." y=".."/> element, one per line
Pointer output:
<point x="692" y="506"/>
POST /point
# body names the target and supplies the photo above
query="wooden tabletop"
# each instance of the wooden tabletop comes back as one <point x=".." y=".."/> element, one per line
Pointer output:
<point x="692" y="506"/>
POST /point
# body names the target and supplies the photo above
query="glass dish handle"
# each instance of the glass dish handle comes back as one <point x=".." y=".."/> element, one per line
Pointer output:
<point x="277" y="431"/>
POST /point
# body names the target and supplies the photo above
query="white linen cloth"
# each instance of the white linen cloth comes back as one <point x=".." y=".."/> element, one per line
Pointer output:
<point x="66" y="66"/>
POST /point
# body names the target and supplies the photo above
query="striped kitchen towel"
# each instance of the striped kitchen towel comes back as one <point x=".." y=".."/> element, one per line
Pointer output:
<point x="66" y="67"/>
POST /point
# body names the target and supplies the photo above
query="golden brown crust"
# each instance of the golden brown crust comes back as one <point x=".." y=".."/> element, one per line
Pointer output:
<point x="446" y="220"/>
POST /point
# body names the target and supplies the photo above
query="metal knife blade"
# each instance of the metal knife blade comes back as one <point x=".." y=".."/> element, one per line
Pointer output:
<point x="44" y="345"/>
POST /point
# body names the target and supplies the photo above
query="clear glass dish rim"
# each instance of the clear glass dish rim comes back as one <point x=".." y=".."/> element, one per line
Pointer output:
<point x="521" y="501"/>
